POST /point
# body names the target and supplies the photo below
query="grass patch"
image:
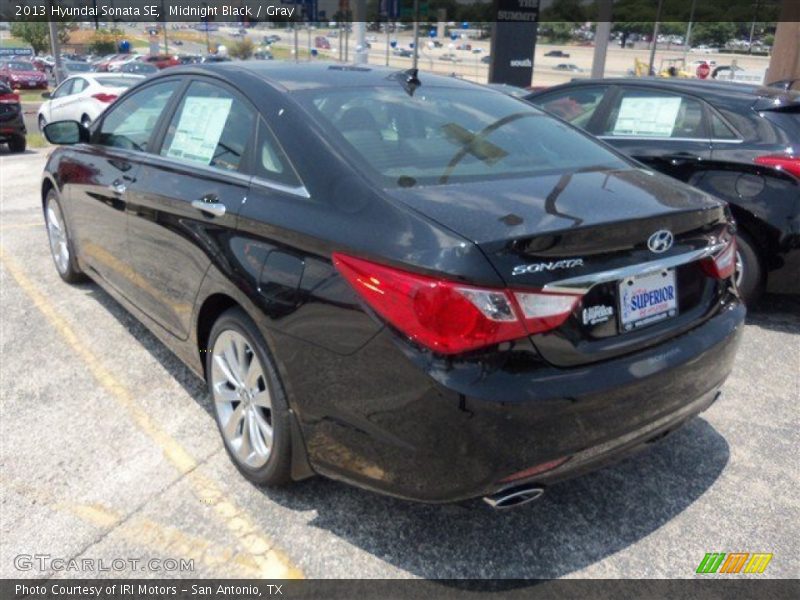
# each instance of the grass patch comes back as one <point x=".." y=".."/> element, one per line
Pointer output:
<point x="31" y="95"/>
<point x="37" y="140"/>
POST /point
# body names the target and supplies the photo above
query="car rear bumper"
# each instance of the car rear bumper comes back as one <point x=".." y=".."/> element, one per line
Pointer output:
<point x="439" y="431"/>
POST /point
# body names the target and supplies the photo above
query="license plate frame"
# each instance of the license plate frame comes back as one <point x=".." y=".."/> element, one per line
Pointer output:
<point x="646" y="299"/>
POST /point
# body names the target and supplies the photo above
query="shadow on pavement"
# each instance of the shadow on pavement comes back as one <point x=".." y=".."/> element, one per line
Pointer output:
<point x="776" y="312"/>
<point x="575" y="524"/>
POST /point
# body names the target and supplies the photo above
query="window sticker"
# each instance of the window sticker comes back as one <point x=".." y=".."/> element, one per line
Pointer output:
<point x="200" y="128"/>
<point x="647" y="116"/>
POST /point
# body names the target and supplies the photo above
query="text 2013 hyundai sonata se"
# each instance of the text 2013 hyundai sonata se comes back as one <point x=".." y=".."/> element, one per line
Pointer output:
<point x="414" y="284"/>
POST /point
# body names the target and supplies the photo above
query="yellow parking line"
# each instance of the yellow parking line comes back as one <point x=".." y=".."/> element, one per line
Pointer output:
<point x="21" y="226"/>
<point x="272" y="563"/>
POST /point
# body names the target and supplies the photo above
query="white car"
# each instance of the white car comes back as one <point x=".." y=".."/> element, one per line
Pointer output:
<point x="83" y="97"/>
<point x="116" y="65"/>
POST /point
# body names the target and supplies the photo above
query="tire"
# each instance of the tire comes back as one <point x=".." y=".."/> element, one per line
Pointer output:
<point x="17" y="144"/>
<point x="42" y="123"/>
<point x="750" y="275"/>
<point x="61" y="247"/>
<point x="235" y="340"/>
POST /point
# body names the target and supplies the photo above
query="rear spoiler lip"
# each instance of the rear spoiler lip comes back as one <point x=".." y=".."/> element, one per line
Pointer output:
<point x="778" y="102"/>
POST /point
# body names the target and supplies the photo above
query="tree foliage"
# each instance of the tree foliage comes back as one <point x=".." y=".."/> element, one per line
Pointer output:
<point x="242" y="49"/>
<point x="34" y="33"/>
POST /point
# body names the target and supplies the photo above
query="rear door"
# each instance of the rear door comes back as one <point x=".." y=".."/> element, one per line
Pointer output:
<point x="667" y="131"/>
<point x="185" y="201"/>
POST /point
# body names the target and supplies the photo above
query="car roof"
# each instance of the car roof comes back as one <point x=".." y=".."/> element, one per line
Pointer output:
<point x="691" y="86"/>
<point x="290" y="77"/>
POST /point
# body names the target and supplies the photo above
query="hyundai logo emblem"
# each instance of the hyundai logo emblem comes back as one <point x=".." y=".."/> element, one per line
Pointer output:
<point x="660" y="241"/>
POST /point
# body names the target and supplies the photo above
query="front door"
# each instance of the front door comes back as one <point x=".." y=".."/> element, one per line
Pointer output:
<point x="184" y="203"/>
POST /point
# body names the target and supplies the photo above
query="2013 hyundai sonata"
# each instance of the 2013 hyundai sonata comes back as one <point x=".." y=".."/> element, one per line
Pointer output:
<point x="411" y="283"/>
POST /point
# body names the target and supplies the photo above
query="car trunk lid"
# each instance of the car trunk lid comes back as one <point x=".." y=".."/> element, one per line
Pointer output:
<point x="588" y="233"/>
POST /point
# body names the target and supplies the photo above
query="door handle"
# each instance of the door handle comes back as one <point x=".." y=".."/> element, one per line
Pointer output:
<point x="209" y="204"/>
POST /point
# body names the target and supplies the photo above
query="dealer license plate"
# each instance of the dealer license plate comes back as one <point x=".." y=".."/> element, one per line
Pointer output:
<point x="647" y="299"/>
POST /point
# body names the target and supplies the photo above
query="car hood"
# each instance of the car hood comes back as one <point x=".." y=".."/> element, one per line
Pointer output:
<point x="32" y="74"/>
<point x="492" y="211"/>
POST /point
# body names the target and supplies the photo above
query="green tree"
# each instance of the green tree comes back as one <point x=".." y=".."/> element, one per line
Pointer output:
<point x="242" y="49"/>
<point x="713" y="33"/>
<point x="103" y="42"/>
<point x="34" y="33"/>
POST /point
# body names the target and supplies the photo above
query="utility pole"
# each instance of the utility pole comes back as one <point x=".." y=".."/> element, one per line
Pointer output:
<point x="654" y="41"/>
<point x="415" y="60"/>
<point x="164" y="25"/>
<point x="687" y="43"/>
<point x="601" y="35"/>
<point x="55" y="48"/>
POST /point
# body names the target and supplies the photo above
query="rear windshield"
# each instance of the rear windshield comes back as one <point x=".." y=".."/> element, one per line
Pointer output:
<point x="20" y="66"/>
<point x="119" y="82"/>
<point x="442" y="135"/>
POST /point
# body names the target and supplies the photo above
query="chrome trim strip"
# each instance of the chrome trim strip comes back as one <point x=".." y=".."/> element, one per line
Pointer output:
<point x="299" y="190"/>
<point x="669" y="139"/>
<point x="583" y="283"/>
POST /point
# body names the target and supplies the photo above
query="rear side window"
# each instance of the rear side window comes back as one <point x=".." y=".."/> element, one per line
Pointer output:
<point x="117" y="82"/>
<point x="130" y="122"/>
<point x="576" y="105"/>
<point x="270" y="161"/>
<point x="211" y="127"/>
<point x="79" y="85"/>
<point x="655" y="114"/>
<point x="719" y="130"/>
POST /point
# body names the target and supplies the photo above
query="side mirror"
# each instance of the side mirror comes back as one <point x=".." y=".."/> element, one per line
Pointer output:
<point x="46" y="95"/>
<point x="66" y="133"/>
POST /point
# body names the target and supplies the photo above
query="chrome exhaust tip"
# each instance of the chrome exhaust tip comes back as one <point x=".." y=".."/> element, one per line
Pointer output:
<point x="513" y="497"/>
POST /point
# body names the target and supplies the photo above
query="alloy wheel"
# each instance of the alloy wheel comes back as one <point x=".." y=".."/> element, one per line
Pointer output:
<point x="242" y="399"/>
<point x="58" y="236"/>
<point x="739" y="272"/>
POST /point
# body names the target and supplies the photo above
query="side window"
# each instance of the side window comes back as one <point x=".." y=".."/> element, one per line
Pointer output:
<point x="270" y="161"/>
<point x="654" y="114"/>
<point x="79" y="85"/>
<point x="211" y="127"/>
<point x="130" y="123"/>
<point x="65" y="89"/>
<point x="575" y="105"/>
<point x="720" y="130"/>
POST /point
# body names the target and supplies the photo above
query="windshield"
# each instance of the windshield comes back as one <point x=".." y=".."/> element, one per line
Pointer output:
<point x="20" y="66"/>
<point x="441" y="135"/>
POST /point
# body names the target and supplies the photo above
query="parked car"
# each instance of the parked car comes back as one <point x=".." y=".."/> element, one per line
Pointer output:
<point x="83" y="97"/>
<point x="21" y="75"/>
<point x="486" y="59"/>
<point x="103" y="63"/>
<point x="216" y="58"/>
<point x="117" y="64"/>
<point x="481" y="304"/>
<point x="162" y="61"/>
<point x="568" y="67"/>
<point x="12" y="125"/>
<point x="322" y="43"/>
<point x="738" y="142"/>
<point x="190" y="59"/>
<point x="263" y="55"/>
<point x="450" y="57"/>
<point x="403" y="52"/>
<point x="139" y="68"/>
<point x="557" y="54"/>
<point x="72" y="67"/>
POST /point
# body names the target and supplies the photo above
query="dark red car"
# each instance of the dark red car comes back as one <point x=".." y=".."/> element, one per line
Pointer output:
<point x="162" y="61"/>
<point x="22" y="75"/>
<point x="12" y="126"/>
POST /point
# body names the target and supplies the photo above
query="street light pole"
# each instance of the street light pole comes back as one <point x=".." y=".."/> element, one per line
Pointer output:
<point x="415" y="60"/>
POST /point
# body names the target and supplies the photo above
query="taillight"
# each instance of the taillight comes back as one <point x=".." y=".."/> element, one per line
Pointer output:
<point x="723" y="264"/>
<point x="104" y="97"/>
<point x="449" y="317"/>
<point x="9" y="98"/>
<point x="782" y="162"/>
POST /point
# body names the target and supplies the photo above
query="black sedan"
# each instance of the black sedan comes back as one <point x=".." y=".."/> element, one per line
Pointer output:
<point x="12" y="124"/>
<point x="414" y="284"/>
<point x="738" y="142"/>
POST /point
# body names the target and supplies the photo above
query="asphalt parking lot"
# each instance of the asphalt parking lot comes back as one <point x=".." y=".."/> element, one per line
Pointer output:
<point x="109" y="450"/>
